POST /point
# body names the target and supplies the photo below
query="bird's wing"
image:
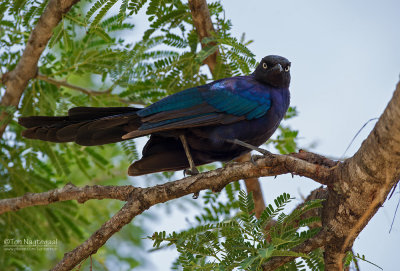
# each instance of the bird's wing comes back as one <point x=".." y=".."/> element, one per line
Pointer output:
<point x="221" y="102"/>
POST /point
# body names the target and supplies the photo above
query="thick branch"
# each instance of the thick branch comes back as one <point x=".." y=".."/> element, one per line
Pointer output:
<point x="216" y="180"/>
<point x="204" y="27"/>
<point x="362" y="184"/>
<point x="26" y="69"/>
<point x="100" y="237"/>
<point x="68" y="192"/>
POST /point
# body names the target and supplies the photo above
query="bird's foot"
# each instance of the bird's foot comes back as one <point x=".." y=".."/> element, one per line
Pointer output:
<point x="190" y="171"/>
<point x="249" y="146"/>
<point x="253" y="159"/>
<point x="196" y="195"/>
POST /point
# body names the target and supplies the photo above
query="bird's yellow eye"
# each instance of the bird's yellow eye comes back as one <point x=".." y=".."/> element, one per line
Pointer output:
<point x="265" y="66"/>
<point x="287" y="68"/>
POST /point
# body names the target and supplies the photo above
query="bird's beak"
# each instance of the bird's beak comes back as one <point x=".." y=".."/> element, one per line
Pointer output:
<point x="278" y="68"/>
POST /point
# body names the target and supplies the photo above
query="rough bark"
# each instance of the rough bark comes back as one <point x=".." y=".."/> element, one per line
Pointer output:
<point x="204" y="27"/>
<point x="68" y="192"/>
<point x="362" y="183"/>
<point x="26" y="69"/>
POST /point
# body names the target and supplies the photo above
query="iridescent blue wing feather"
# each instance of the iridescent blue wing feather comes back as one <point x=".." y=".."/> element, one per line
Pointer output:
<point x="239" y="97"/>
<point x="221" y="102"/>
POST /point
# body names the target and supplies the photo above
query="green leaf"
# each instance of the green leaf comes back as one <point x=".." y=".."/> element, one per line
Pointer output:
<point x="102" y="34"/>
<point x="206" y="52"/>
<point x="267" y="252"/>
<point x="58" y="32"/>
<point x="67" y="41"/>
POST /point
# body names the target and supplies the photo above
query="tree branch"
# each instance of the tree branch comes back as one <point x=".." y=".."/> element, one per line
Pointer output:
<point x="142" y="199"/>
<point x="64" y="83"/>
<point x="68" y="192"/>
<point x="204" y="27"/>
<point x="86" y="91"/>
<point x="26" y="69"/>
<point x="216" y="180"/>
<point x="358" y="187"/>
<point x="100" y="237"/>
<point x="362" y="184"/>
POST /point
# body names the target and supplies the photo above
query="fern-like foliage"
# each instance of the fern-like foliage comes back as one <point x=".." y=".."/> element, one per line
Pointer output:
<point x="354" y="258"/>
<point x="242" y="241"/>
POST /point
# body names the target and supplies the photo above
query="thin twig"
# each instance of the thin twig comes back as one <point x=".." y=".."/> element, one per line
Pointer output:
<point x="64" y="83"/>
<point x="86" y="91"/>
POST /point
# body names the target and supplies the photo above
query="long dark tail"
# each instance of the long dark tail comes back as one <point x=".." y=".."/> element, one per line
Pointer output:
<point x="86" y="126"/>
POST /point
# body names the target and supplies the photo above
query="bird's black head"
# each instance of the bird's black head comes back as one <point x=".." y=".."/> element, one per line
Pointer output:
<point x="274" y="70"/>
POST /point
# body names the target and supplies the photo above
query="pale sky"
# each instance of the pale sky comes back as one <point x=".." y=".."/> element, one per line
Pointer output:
<point x="345" y="64"/>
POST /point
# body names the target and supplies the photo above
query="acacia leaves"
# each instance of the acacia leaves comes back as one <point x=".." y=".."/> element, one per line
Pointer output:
<point x="241" y="240"/>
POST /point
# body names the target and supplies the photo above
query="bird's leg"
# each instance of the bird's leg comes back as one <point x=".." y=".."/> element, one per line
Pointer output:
<point x="193" y="170"/>
<point x="249" y="146"/>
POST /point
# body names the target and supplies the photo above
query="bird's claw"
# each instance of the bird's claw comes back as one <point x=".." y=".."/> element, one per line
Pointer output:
<point x="190" y="171"/>
<point x="263" y="151"/>
<point x="249" y="146"/>
<point x="196" y="195"/>
<point x="253" y="159"/>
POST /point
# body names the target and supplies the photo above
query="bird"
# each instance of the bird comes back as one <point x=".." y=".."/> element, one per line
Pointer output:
<point x="218" y="121"/>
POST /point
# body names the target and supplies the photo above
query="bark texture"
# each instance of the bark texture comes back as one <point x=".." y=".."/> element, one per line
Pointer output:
<point x="204" y="27"/>
<point x="68" y="192"/>
<point x="361" y="184"/>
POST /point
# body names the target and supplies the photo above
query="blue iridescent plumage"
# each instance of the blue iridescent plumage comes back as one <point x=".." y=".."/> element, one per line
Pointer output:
<point x="240" y="96"/>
